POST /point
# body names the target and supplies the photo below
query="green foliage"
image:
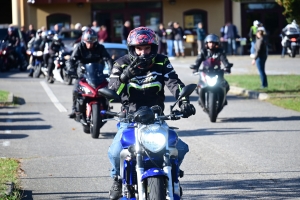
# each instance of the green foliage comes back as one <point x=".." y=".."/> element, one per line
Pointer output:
<point x="291" y="9"/>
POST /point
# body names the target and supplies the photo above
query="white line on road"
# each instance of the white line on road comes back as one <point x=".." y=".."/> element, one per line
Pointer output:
<point x="6" y="143"/>
<point x="53" y="98"/>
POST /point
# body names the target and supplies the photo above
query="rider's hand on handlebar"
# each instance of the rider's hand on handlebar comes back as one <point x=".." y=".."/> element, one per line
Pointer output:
<point x="187" y="109"/>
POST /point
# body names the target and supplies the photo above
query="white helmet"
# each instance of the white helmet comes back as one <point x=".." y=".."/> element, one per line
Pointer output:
<point x="256" y="23"/>
<point x="84" y="28"/>
<point x="77" y="26"/>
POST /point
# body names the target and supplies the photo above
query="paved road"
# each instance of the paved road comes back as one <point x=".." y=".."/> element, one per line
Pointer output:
<point x="251" y="152"/>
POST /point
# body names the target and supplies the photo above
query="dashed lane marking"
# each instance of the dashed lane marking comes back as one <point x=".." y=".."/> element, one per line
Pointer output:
<point x="53" y="98"/>
<point x="6" y="143"/>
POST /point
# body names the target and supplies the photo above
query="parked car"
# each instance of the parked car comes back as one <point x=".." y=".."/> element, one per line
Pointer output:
<point x="69" y="36"/>
<point x="116" y="50"/>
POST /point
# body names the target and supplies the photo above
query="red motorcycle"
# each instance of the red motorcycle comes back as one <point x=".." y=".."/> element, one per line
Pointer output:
<point x="89" y="102"/>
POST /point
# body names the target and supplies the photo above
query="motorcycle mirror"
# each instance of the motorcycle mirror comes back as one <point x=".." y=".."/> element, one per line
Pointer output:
<point x="109" y="94"/>
<point x="186" y="91"/>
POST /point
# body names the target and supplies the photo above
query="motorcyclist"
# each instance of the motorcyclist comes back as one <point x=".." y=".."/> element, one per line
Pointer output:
<point x="47" y="40"/>
<point x="87" y="51"/>
<point x="35" y="44"/>
<point x="55" y="46"/>
<point x="212" y="50"/>
<point x="13" y="38"/>
<point x="139" y="78"/>
<point x="284" y="39"/>
<point x="252" y="37"/>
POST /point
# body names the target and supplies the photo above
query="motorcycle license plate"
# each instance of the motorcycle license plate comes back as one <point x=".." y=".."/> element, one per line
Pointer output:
<point x="294" y="44"/>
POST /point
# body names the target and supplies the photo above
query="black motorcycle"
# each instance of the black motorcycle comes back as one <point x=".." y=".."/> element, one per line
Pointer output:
<point x="59" y="71"/>
<point x="9" y="58"/>
<point x="292" y="41"/>
<point x="212" y="88"/>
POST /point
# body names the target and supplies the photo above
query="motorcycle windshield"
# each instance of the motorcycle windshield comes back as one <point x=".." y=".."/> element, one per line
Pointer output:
<point x="94" y="74"/>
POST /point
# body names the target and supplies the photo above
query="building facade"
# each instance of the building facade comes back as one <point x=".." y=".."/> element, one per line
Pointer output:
<point x="113" y="13"/>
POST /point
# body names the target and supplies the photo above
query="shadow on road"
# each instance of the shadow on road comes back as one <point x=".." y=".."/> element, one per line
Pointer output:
<point x="259" y="119"/>
<point x="20" y="120"/>
<point x="13" y="136"/>
<point x="225" y="131"/>
<point x="25" y="127"/>
<point x="19" y="113"/>
<point x="282" y="188"/>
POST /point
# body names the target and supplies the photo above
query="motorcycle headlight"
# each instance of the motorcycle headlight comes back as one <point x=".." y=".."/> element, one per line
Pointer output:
<point x="211" y="81"/>
<point x="153" y="137"/>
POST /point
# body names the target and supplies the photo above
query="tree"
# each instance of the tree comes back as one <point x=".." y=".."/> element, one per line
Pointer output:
<point x="291" y="9"/>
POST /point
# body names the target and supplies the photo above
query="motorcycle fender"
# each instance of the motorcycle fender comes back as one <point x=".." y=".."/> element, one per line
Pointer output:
<point x="153" y="172"/>
<point x="56" y="75"/>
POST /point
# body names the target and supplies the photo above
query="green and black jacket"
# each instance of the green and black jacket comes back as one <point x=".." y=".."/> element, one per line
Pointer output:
<point x="147" y="89"/>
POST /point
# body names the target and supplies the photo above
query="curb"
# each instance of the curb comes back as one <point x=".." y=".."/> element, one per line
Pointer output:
<point x="10" y="98"/>
<point x="248" y="93"/>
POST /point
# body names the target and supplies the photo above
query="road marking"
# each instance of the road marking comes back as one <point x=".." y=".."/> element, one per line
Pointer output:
<point x="53" y="98"/>
<point x="6" y="143"/>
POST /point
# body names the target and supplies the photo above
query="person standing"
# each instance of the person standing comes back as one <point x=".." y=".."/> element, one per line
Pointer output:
<point x="102" y="34"/>
<point x="231" y="33"/>
<point x="31" y="32"/>
<point x="95" y="26"/>
<point x="125" y="32"/>
<point x="200" y="37"/>
<point x="261" y="56"/>
<point x="170" y="40"/>
<point x="162" y="45"/>
<point x="178" y="40"/>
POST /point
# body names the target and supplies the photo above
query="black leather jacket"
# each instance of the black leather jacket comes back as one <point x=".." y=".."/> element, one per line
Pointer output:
<point x="217" y="53"/>
<point x="146" y="89"/>
<point x="82" y="55"/>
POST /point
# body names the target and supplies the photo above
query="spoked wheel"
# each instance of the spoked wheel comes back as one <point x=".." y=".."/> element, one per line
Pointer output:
<point x="96" y="121"/>
<point x="156" y="188"/>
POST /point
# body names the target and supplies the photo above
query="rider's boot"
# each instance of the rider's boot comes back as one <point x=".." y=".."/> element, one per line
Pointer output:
<point x="73" y="113"/>
<point x="116" y="189"/>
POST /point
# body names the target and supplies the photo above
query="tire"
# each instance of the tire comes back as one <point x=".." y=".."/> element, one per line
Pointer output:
<point x="95" y="121"/>
<point x="212" y="106"/>
<point x="156" y="188"/>
<point x="37" y="71"/>
<point x="293" y="52"/>
<point x="67" y="78"/>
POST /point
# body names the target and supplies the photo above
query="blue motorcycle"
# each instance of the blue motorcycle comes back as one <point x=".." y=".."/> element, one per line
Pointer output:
<point x="148" y="162"/>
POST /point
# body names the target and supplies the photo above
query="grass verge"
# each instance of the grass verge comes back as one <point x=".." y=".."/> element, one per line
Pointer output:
<point x="3" y="95"/>
<point x="284" y="89"/>
<point x="9" y="173"/>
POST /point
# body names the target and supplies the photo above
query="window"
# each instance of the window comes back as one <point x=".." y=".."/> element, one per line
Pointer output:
<point x="191" y="18"/>
<point x="63" y="20"/>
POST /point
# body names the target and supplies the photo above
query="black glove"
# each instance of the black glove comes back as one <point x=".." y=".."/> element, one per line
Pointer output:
<point x="187" y="109"/>
<point x="228" y="70"/>
<point x="131" y="71"/>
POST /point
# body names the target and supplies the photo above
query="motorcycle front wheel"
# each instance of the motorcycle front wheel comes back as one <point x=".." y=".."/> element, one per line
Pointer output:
<point x="37" y="71"/>
<point x="212" y="106"/>
<point x="67" y="78"/>
<point x="156" y="188"/>
<point x="96" y="121"/>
